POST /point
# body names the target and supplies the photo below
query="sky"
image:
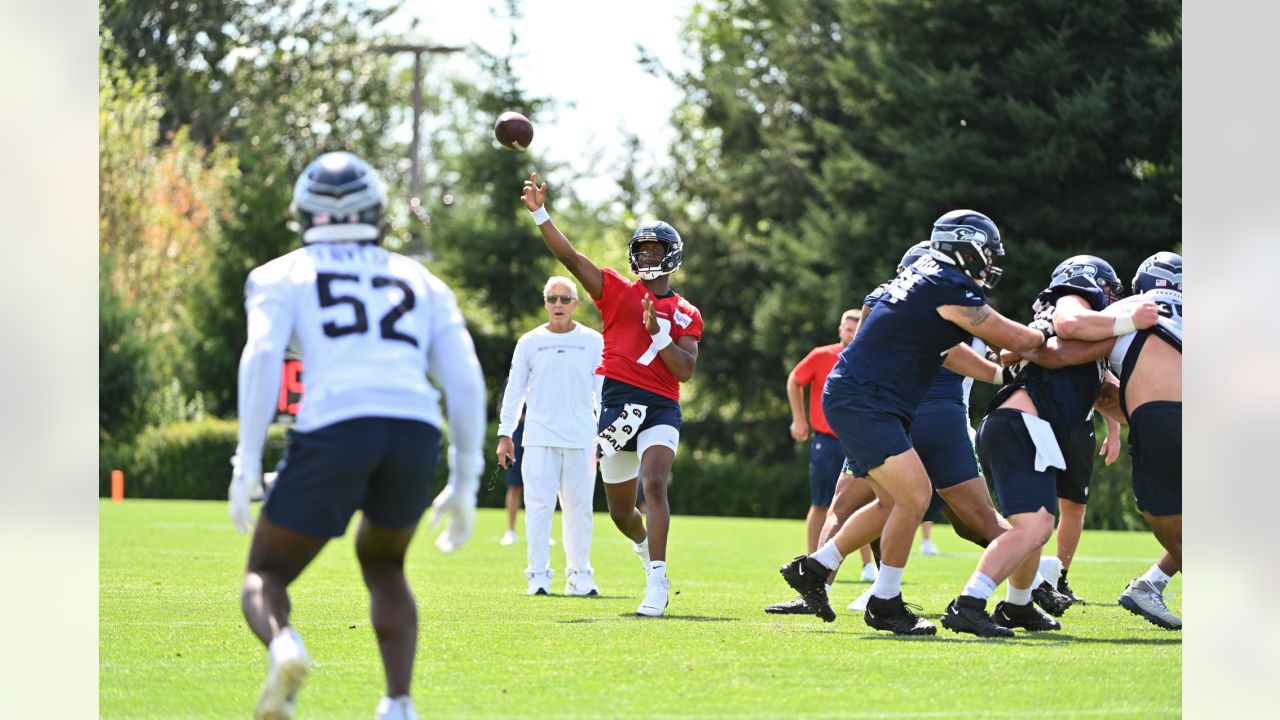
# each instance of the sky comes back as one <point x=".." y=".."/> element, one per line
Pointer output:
<point x="583" y="56"/>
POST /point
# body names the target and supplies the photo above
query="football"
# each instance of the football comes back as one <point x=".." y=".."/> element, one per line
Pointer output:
<point x="514" y="130"/>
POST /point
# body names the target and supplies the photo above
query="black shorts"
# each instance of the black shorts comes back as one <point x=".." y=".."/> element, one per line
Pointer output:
<point x="1073" y="483"/>
<point x="942" y="441"/>
<point x="617" y="394"/>
<point x="826" y="459"/>
<point x="1009" y="458"/>
<point x="383" y="466"/>
<point x="1155" y="447"/>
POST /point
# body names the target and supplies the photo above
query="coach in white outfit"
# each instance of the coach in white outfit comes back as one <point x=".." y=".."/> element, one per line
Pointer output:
<point x="553" y="373"/>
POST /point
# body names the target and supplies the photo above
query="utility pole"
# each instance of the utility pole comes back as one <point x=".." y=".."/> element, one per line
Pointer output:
<point x="415" y="176"/>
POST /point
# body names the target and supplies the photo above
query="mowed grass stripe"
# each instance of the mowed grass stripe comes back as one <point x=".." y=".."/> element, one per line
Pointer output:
<point x="173" y="643"/>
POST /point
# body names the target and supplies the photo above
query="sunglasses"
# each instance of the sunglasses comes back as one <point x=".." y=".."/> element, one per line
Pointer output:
<point x="562" y="299"/>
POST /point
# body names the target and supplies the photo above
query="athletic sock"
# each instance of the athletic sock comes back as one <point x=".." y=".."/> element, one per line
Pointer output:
<point x="643" y="545"/>
<point x="1018" y="596"/>
<point x="1039" y="581"/>
<point x="888" y="583"/>
<point x="827" y="588"/>
<point x="829" y="556"/>
<point x="1156" y="576"/>
<point x="979" y="586"/>
<point x="658" y="568"/>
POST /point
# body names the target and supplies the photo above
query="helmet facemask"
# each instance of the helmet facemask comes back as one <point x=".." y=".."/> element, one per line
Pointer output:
<point x="651" y="264"/>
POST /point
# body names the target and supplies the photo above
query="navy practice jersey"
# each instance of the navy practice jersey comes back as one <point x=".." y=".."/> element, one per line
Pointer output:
<point x="1063" y="397"/>
<point x="900" y="347"/>
<point x="948" y="388"/>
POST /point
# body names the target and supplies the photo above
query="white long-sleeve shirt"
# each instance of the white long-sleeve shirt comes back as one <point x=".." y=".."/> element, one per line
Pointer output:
<point x="553" y="374"/>
<point x="371" y="326"/>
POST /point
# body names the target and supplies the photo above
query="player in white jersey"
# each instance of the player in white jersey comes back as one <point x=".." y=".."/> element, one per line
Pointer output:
<point x="370" y="326"/>
<point x="553" y="374"/>
<point x="1149" y="365"/>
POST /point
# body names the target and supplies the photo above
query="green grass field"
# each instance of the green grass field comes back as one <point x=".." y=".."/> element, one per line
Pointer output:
<point x="174" y="645"/>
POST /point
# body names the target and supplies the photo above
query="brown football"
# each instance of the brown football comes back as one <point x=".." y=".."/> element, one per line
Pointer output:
<point x="514" y="130"/>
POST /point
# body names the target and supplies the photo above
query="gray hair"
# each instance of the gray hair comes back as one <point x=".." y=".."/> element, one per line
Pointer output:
<point x="560" y="280"/>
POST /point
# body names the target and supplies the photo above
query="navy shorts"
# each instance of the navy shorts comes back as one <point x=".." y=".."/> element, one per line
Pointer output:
<point x="614" y="397"/>
<point x="936" y="503"/>
<point x="869" y="433"/>
<point x="826" y="459"/>
<point x="514" y="476"/>
<point x="942" y="441"/>
<point x="1073" y="483"/>
<point x="383" y="466"/>
<point x="1155" y="447"/>
<point x="1009" y="459"/>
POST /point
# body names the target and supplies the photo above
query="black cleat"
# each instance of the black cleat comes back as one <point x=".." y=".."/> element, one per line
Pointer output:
<point x="1028" y="617"/>
<point x="969" y="615"/>
<point x="894" y="616"/>
<point x="1065" y="589"/>
<point x="809" y="578"/>
<point x="1050" y="600"/>
<point x="791" y="607"/>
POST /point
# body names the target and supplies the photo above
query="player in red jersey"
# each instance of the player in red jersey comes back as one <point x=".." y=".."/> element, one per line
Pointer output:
<point x="651" y="339"/>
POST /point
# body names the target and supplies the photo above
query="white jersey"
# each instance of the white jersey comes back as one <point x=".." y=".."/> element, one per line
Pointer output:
<point x="1169" y="322"/>
<point x="553" y="374"/>
<point x="369" y="325"/>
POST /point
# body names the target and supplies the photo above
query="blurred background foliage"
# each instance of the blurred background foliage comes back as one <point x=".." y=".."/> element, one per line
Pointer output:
<point x="814" y="143"/>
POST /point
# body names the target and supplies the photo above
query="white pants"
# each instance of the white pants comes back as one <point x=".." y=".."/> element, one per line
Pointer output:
<point x="570" y="473"/>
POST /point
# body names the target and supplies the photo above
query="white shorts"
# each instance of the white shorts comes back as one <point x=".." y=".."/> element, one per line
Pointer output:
<point x="624" y="466"/>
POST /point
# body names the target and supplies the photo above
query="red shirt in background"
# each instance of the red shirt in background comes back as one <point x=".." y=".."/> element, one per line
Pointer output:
<point x="813" y="371"/>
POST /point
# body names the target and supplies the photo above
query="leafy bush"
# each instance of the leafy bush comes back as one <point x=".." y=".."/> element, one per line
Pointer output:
<point x="188" y="460"/>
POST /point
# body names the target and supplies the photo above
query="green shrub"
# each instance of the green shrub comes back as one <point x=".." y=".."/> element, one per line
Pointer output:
<point x="189" y="460"/>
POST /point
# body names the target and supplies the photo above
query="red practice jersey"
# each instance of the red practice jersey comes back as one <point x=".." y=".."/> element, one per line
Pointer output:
<point x="813" y="371"/>
<point x="629" y="353"/>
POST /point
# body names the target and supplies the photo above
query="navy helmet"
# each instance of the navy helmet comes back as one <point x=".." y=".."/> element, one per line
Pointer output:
<point x="916" y="252"/>
<point x="1093" y="268"/>
<point x="1160" y="271"/>
<point x="656" y="231"/>
<point x="969" y="241"/>
<point x="339" y="198"/>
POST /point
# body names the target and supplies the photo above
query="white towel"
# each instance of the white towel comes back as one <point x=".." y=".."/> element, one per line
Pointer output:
<point x="620" y="431"/>
<point x="1048" y="454"/>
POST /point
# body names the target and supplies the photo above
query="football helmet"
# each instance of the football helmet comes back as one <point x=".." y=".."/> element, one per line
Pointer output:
<point x="916" y="252"/>
<point x="339" y="198"/>
<point x="650" y="268"/>
<point x="1162" y="270"/>
<point x="1095" y="269"/>
<point x="969" y="241"/>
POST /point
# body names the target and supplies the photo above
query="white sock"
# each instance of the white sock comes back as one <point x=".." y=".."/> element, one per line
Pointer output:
<point x="643" y="545"/>
<point x="827" y="587"/>
<point x="1018" y="596"/>
<point x="871" y="565"/>
<point x="979" y="586"/>
<point x="888" y="583"/>
<point x="1040" y="581"/>
<point x="1156" y="576"/>
<point x="658" y="568"/>
<point x="828" y="555"/>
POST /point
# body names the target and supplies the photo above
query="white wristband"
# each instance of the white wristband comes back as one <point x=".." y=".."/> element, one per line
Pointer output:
<point x="1123" y="326"/>
<point x="540" y="215"/>
<point x="998" y="378"/>
<point x="661" y="341"/>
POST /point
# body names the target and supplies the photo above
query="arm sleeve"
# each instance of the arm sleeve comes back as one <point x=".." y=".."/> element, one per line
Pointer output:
<point x="451" y="355"/>
<point x="517" y="388"/>
<point x="270" y="326"/>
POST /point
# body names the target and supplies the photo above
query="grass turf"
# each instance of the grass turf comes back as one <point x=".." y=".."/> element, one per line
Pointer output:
<point x="174" y="645"/>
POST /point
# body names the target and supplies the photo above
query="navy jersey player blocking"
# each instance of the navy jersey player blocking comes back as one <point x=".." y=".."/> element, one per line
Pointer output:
<point x="874" y="390"/>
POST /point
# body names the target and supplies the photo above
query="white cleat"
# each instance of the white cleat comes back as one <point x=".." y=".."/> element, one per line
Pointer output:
<point x="870" y="572"/>
<point x="539" y="583"/>
<point x="580" y="583"/>
<point x="656" y="590"/>
<point x="285" y="675"/>
<point x="928" y="548"/>
<point x="400" y="708"/>
<point x="508" y="538"/>
<point x="642" y="551"/>
<point x="860" y="605"/>
<point x="1146" y="599"/>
